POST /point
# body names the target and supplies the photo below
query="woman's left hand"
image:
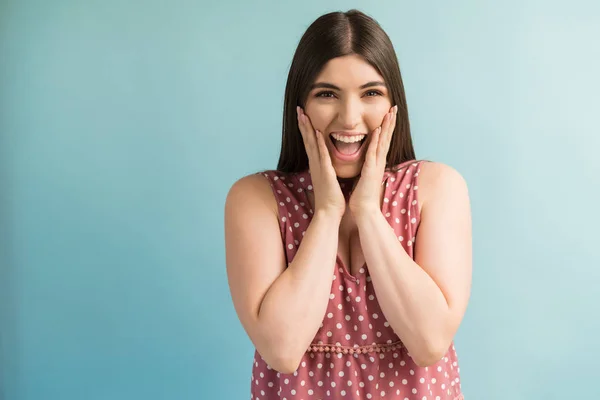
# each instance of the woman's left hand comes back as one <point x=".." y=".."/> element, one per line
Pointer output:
<point x="365" y="196"/>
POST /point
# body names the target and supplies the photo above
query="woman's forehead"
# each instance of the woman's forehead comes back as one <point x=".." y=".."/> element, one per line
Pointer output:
<point x="349" y="72"/>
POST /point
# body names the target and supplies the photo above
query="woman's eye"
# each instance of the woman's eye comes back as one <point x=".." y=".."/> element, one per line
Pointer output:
<point x="324" y="94"/>
<point x="377" y="93"/>
<point x="329" y="94"/>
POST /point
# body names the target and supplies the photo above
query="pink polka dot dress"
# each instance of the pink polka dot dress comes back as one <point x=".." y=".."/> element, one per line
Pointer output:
<point x="355" y="353"/>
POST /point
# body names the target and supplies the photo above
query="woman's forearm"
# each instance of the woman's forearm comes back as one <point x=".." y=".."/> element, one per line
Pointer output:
<point x="293" y="307"/>
<point x="411" y="301"/>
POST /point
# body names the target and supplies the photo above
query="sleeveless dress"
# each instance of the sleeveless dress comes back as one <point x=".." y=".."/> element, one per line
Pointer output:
<point x="355" y="354"/>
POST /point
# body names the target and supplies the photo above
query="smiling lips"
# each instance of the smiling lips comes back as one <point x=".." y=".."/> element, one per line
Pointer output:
<point x="347" y="147"/>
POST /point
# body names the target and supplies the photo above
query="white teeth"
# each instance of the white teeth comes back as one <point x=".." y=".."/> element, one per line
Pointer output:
<point x="348" y="139"/>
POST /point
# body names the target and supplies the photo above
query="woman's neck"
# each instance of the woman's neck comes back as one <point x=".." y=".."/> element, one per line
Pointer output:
<point x="347" y="185"/>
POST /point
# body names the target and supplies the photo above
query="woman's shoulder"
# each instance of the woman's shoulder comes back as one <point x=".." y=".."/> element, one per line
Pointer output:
<point x="436" y="170"/>
<point x="254" y="188"/>
<point x="437" y="180"/>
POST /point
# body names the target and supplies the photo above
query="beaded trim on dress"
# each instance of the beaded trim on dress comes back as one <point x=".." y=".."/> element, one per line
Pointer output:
<point x="377" y="348"/>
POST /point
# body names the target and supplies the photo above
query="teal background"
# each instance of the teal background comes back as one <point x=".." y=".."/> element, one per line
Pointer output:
<point x="123" y="124"/>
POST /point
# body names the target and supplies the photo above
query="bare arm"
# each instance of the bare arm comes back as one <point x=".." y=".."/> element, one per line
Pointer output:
<point x="424" y="300"/>
<point x="280" y="308"/>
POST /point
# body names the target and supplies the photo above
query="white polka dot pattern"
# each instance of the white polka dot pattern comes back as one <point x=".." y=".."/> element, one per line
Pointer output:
<point x="355" y="353"/>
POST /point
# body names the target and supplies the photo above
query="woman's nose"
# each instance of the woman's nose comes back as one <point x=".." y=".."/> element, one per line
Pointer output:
<point x="350" y="114"/>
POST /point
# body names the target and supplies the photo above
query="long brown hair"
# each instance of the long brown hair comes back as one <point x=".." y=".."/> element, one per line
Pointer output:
<point x="334" y="35"/>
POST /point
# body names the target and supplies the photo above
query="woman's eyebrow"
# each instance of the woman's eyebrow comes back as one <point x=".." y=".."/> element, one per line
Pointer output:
<point x="326" y="85"/>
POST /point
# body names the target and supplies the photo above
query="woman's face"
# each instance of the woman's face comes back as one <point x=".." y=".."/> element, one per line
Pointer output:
<point x="348" y="98"/>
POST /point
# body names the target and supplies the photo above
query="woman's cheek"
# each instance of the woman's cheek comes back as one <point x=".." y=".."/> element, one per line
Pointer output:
<point x="375" y="122"/>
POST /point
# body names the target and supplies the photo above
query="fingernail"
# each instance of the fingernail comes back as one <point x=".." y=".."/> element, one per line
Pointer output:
<point x="396" y="108"/>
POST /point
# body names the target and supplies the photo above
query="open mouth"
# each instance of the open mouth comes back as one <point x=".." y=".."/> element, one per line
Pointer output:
<point x="348" y="145"/>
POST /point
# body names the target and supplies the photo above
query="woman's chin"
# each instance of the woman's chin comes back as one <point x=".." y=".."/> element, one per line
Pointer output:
<point x="348" y="171"/>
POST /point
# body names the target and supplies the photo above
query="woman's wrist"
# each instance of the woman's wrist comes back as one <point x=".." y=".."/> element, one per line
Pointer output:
<point x="330" y="216"/>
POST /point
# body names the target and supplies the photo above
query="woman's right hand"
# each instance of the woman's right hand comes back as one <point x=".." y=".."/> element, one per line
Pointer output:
<point x="328" y="194"/>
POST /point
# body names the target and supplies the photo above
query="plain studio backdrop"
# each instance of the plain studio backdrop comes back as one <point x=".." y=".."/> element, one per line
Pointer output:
<point x="123" y="125"/>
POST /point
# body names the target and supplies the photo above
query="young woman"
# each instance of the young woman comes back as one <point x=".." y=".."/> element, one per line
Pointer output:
<point x="350" y="265"/>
